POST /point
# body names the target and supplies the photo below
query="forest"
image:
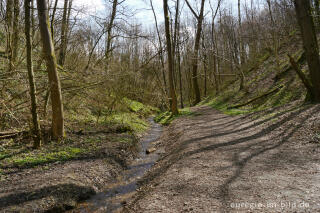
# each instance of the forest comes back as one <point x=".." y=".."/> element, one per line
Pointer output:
<point x="159" y="105"/>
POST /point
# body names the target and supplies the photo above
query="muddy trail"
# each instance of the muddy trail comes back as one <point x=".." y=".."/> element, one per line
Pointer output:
<point x="267" y="162"/>
<point x="115" y="196"/>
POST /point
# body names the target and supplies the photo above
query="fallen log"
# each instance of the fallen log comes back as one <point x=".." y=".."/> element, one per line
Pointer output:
<point x="11" y="133"/>
<point x="8" y="136"/>
<point x="256" y="98"/>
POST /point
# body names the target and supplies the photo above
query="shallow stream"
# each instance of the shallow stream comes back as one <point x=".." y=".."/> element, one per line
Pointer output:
<point x="113" y="198"/>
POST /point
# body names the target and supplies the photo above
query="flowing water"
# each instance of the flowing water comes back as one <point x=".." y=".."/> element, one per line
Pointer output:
<point x="112" y="199"/>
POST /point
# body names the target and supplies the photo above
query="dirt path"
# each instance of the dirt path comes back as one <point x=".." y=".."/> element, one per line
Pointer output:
<point x="220" y="163"/>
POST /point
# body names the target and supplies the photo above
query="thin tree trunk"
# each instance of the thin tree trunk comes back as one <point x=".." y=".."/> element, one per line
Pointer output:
<point x="173" y="97"/>
<point x="196" y="52"/>
<point x="53" y="19"/>
<point x="179" y="71"/>
<point x="109" y="31"/>
<point x="9" y="22"/>
<point x="274" y="37"/>
<point x="161" y="48"/>
<point x="241" y="46"/>
<point x="63" y="34"/>
<point x="54" y="82"/>
<point x="35" y="119"/>
<point x="32" y="19"/>
<point x="310" y="44"/>
<point x="215" y="46"/>
<point x="15" y="36"/>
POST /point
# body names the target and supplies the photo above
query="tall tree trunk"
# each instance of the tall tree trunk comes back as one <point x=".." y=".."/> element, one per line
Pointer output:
<point x="68" y="24"/>
<point x="53" y="19"/>
<point x="214" y="44"/>
<point x="63" y="34"/>
<point x="274" y="36"/>
<point x="9" y="22"/>
<point x="54" y="82"/>
<point x="196" y="52"/>
<point x="173" y="97"/>
<point x="15" y="36"/>
<point x="241" y="46"/>
<point x="32" y="19"/>
<point x="109" y="32"/>
<point x="161" y="48"/>
<point x="179" y="69"/>
<point x="36" y="126"/>
<point x="310" y="44"/>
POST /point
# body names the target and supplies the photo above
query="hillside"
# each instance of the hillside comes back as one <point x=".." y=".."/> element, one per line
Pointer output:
<point x="268" y="86"/>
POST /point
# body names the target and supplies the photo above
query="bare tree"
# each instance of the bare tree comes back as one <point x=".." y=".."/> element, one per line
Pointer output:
<point x="36" y="126"/>
<point x="109" y="32"/>
<point x="160" y="47"/>
<point x="9" y="25"/>
<point x="54" y="82"/>
<point x="64" y="32"/>
<point x="195" y="57"/>
<point x="173" y="97"/>
<point x="15" y="28"/>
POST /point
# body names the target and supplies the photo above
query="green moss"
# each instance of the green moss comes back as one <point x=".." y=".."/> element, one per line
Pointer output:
<point x="138" y="107"/>
<point x="165" y="118"/>
<point x="39" y="158"/>
<point x="129" y="121"/>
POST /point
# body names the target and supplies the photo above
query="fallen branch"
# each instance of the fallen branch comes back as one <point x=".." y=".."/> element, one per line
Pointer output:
<point x="12" y="133"/>
<point x="254" y="99"/>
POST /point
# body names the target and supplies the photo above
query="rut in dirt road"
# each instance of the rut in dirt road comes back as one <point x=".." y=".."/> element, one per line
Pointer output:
<point x="220" y="163"/>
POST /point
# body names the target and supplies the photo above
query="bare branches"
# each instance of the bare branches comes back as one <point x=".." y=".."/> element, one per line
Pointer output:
<point x="192" y="10"/>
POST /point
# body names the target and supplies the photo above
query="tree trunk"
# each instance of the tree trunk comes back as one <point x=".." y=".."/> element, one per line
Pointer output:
<point x="36" y="126"/>
<point x="310" y="44"/>
<point x="179" y="71"/>
<point x="173" y="97"/>
<point x="196" y="52"/>
<point x="15" y="36"/>
<point x="241" y="46"/>
<point x="63" y="34"/>
<point x="161" y="48"/>
<point x="52" y="19"/>
<point x="274" y="36"/>
<point x="109" y="31"/>
<point x="9" y="22"/>
<point x="54" y="82"/>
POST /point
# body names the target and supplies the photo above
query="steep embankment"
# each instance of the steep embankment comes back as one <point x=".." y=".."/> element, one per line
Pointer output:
<point x="266" y="84"/>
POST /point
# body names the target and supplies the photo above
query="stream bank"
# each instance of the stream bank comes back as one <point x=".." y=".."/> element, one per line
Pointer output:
<point x="58" y="176"/>
<point x="117" y="194"/>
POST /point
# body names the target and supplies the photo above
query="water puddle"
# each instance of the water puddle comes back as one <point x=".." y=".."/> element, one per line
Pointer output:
<point x="113" y="198"/>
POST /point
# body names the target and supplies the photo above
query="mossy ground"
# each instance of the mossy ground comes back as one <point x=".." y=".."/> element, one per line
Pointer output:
<point x="262" y="76"/>
<point x="115" y="129"/>
<point x="165" y="118"/>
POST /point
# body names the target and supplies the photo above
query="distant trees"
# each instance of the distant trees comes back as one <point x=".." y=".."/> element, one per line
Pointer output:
<point x="310" y="45"/>
<point x="54" y="82"/>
